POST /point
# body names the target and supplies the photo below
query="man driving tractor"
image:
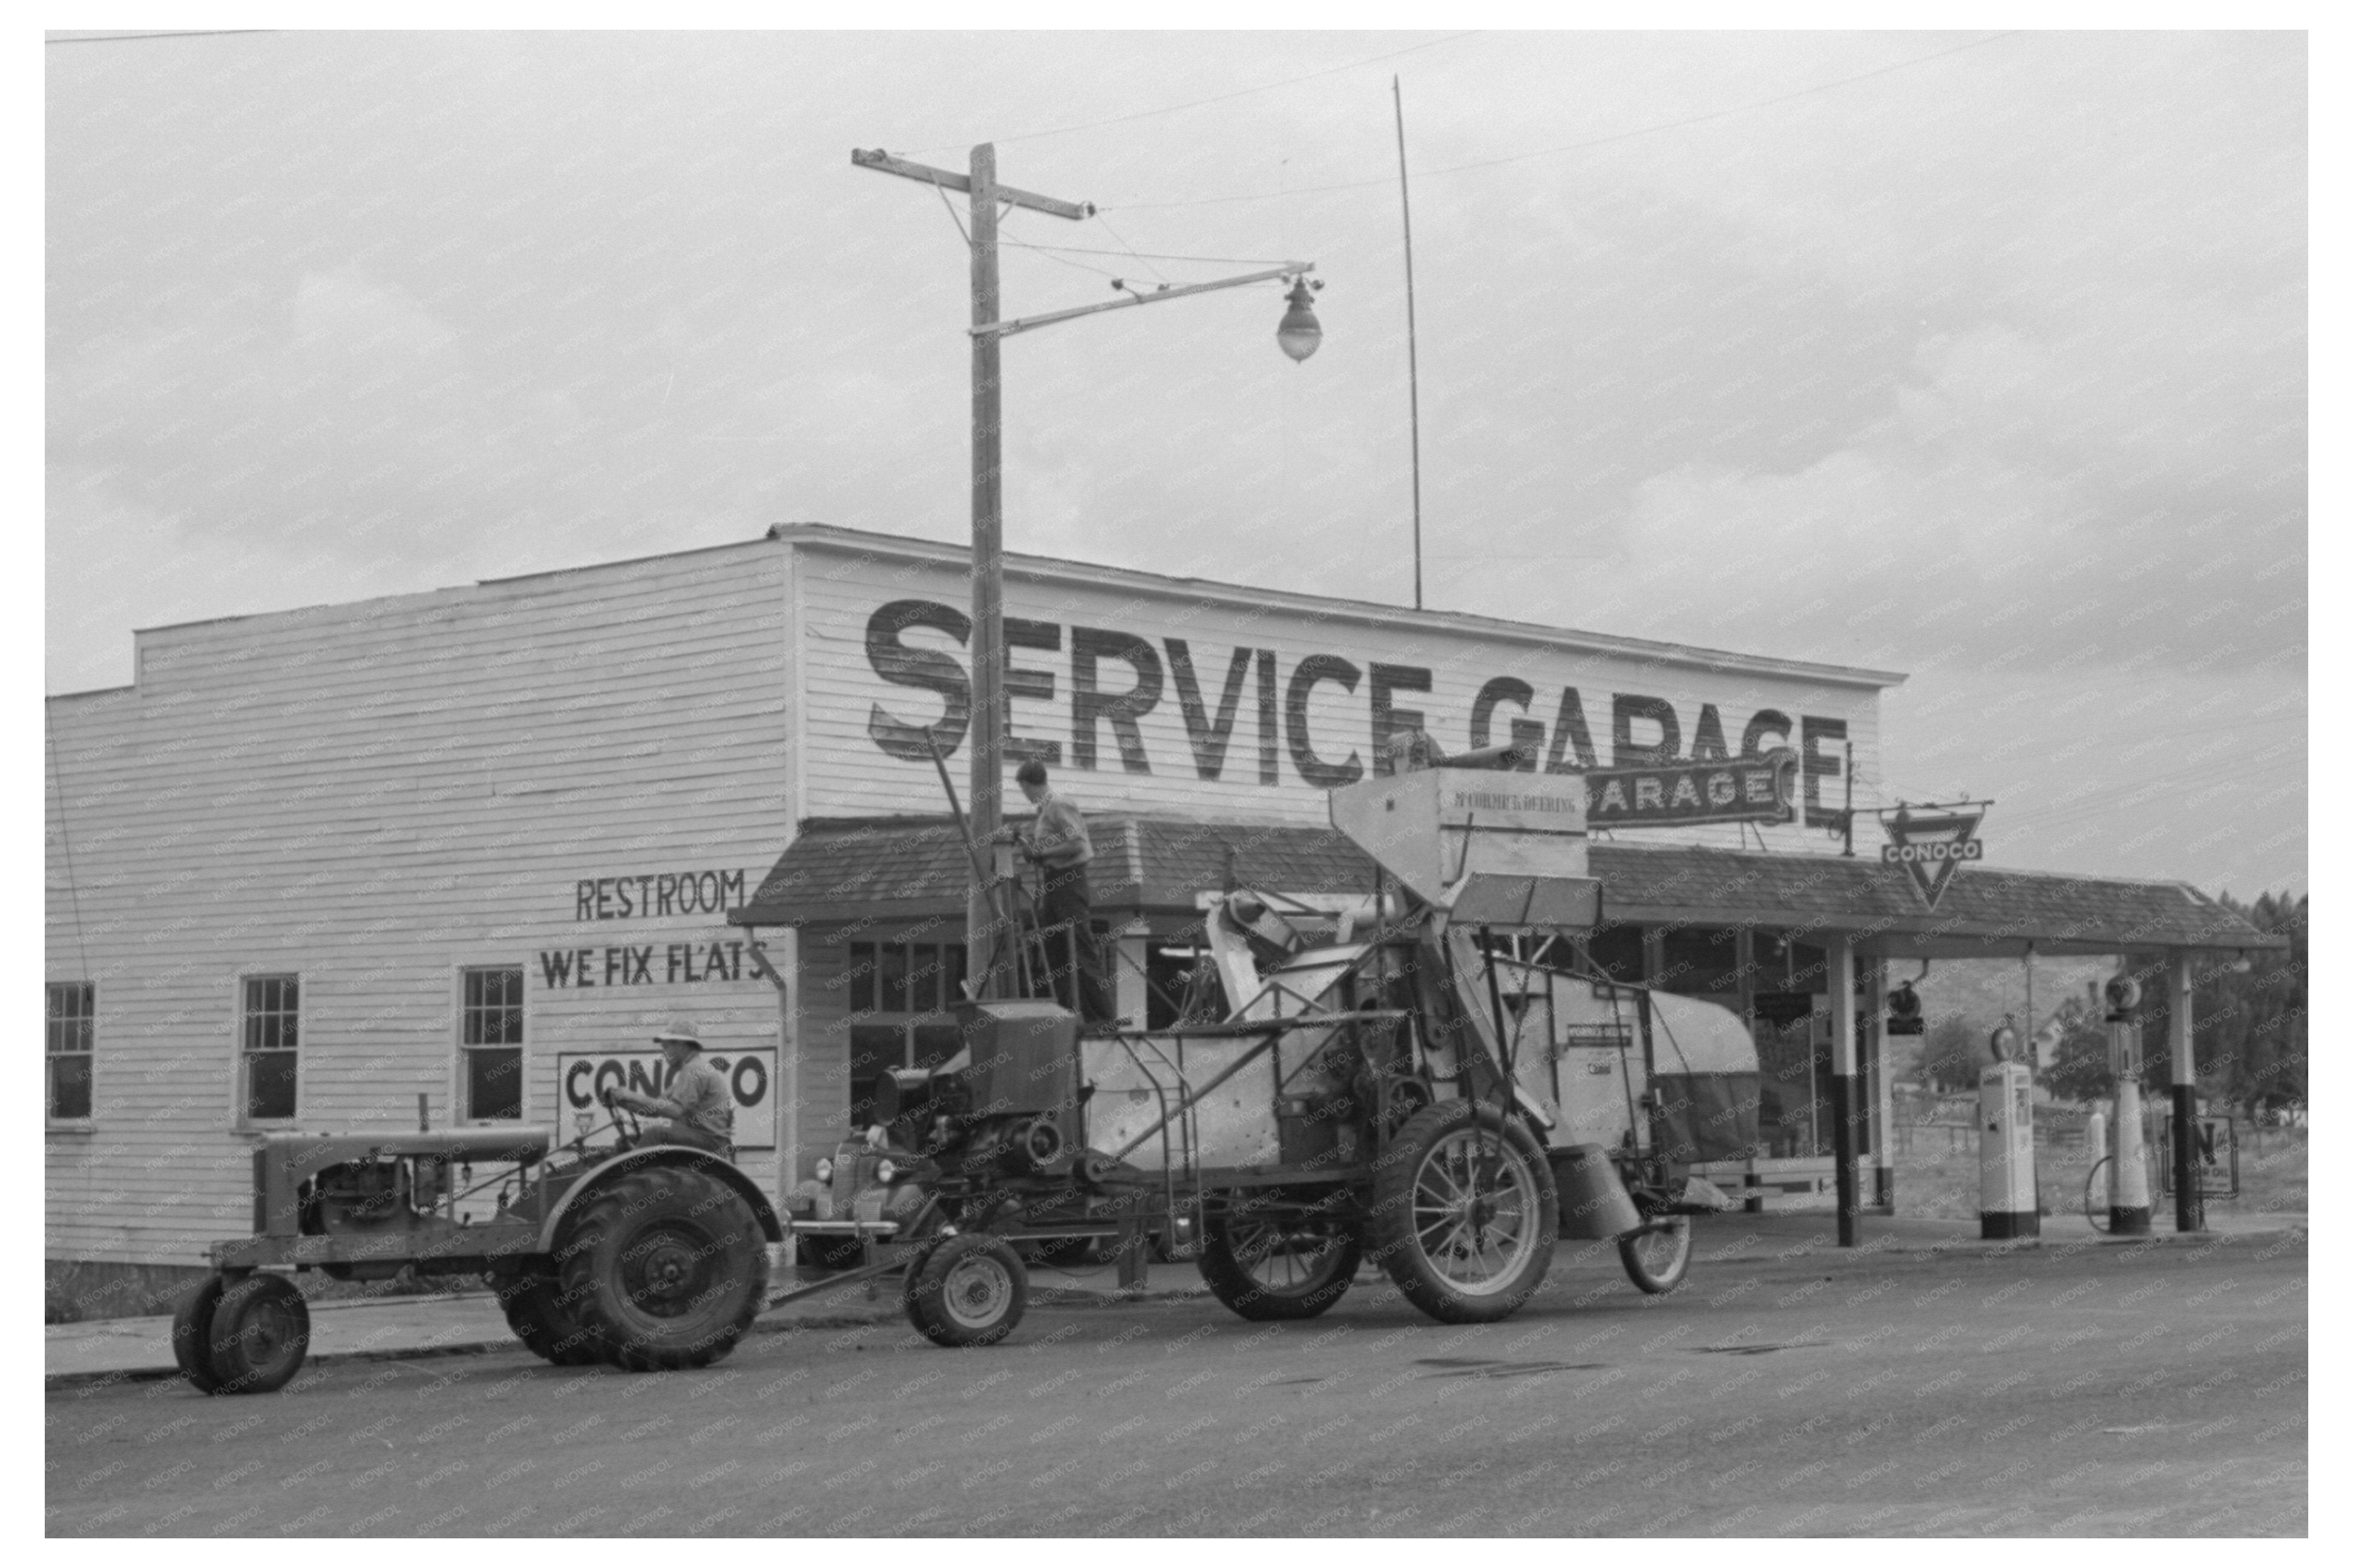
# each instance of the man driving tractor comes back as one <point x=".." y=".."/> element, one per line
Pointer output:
<point x="700" y="1111"/>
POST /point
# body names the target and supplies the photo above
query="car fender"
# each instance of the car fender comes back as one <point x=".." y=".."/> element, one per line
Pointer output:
<point x="667" y="1154"/>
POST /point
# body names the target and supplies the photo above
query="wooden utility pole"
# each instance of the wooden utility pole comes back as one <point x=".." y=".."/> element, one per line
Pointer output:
<point x="981" y="910"/>
<point x="983" y="922"/>
<point x="981" y="915"/>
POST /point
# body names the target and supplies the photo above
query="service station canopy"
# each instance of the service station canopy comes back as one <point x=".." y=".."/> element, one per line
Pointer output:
<point x="849" y="868"/>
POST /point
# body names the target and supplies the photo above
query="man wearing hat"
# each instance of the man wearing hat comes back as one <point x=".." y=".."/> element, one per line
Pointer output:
<point x="702" y="1112"/>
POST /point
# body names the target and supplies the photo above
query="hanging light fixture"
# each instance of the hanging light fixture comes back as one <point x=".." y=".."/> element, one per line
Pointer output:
<point x="1300" y="334"/>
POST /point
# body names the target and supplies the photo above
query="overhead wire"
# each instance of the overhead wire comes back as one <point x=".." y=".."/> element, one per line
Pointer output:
<point x="184" y="33"/>
<point x="1578" y="146"/>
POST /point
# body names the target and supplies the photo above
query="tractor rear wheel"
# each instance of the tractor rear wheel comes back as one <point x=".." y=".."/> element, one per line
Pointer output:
<point x="664" y="1268"/>
<point x="192" y="1333"/>
<point x="967" y="1290"/>
<point x="536" y="1312"/>
<point x="1273" y="1268"/>
<point x="1464" y="1213"/>
<point x="260" y="1332"/>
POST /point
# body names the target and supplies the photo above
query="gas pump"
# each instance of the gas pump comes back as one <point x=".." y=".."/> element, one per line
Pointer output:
<point x="2006" y="1201"/>
<point x="2128" y="1204"/>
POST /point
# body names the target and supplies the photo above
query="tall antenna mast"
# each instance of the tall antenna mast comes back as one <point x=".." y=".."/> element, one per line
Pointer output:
<point x="1412" y="353"/>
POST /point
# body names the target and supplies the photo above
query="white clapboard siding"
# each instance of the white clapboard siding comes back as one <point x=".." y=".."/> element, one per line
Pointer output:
<point x="374" y="796"/>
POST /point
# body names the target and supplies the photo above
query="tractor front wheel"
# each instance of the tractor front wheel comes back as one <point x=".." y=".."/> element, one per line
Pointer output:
<point x="1464" y="1213"/>
<point x="967" y="1290"/>
<point x="664" y="1268"/>
<point x="1271" y="1268"/>
<point x="192" y="1333"/>
<point x="260" y="1332"/>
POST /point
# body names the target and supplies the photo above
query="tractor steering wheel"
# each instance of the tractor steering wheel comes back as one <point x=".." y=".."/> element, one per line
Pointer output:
<point x="616" y="1111"/>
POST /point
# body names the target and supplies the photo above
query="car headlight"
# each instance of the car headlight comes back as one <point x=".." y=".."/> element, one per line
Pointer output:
<point x="885" y="1170"/>
<point x="824" y="1170"/>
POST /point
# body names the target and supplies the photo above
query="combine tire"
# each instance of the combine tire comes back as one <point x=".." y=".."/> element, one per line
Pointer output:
<point x="535" y="1311"/>
<point x="1657" y="1260"/>
<point x="1272" y="1269"/>
<point x="260" y="1332"/>
<point x="967" y="1290"/>
<point x="1464" y="1213"/>
<point x="664" y="1268"/>
<point x="192" y="1334"/>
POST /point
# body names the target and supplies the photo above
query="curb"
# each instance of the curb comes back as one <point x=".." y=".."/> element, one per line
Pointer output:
<point x="1970" y="1245"/>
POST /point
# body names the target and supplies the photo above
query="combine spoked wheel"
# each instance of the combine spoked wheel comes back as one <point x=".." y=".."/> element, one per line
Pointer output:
<point x="967" y="1290"/>
<point x="1657" y="1260"/>
<point x="261" y="1332"/>
<point x="1272" y="1268"/>
<point x="1464" y="1213"/>
<point x="664" y="1268"/>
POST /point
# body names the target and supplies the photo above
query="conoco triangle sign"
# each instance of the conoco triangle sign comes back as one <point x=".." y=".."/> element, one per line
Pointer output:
<point x="1931" y="846"/>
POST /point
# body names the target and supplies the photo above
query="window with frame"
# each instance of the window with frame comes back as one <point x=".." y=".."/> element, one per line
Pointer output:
<point x="272" y="1033"/>
<point x="490" y="1045"/>
<point x="72" y="1048"/>
<point x="900" y="994"/>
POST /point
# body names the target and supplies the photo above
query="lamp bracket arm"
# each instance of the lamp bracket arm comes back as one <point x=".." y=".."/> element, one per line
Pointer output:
<point x="1025" y="323"/>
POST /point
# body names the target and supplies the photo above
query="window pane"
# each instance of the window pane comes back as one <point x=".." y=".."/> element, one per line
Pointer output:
<point x="953" y="991"/>
<point x="894" y="979"/>
<point x="69" y="1088"/>
<point x="861" y="977"/>
<point x="71" y="1023"/>
<point x="922" y="979"/>
<point x="873" y="1047"/>
<point x="270" y="1084"/>
<point x="494" y="1083"/>
<point x="493" y="1013"/>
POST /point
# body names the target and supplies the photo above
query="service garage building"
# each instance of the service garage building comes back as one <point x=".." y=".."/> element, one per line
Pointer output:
<point x="465" y="850"/>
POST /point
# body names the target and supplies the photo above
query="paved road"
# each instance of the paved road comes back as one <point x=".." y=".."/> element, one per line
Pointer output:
<point x="2093" y="1390"/>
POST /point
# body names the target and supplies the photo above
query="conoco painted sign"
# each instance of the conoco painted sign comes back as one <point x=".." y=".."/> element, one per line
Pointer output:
<point x="581" y="1076"/>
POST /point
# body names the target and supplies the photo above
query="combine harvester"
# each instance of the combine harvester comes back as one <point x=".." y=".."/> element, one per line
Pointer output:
<point x="1386" y="1082"/>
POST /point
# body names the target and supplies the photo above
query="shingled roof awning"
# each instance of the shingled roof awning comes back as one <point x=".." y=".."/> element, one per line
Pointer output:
<point x="847" y="868"/>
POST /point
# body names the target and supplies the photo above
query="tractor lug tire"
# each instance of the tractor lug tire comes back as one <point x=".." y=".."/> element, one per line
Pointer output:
<point x="192" y="1333"/>
<point x="664" y="1266"/>
<point x="537" y="1312"/>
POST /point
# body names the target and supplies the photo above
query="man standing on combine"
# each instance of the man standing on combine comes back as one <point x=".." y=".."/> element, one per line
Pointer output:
<point x="1057" y="844"/>
<point x="700" y="1110"/>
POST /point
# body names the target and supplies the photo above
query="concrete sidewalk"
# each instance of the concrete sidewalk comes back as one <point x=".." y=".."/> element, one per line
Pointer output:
<point x="469" y="1322"/>
<point x="404" y="1327"/>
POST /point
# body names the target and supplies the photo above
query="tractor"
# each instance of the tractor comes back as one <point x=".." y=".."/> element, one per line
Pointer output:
<point x="645" y="1256"/>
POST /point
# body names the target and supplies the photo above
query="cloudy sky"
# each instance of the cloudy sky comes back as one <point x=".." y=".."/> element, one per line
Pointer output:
<point x="1978" y="356"/>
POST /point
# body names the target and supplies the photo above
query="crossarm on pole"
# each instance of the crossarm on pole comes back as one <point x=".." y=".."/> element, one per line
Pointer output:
<point x="882" y="162"/>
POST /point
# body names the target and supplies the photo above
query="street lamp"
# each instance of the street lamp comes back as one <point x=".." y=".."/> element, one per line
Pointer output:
<point x="1298" y="334"/>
